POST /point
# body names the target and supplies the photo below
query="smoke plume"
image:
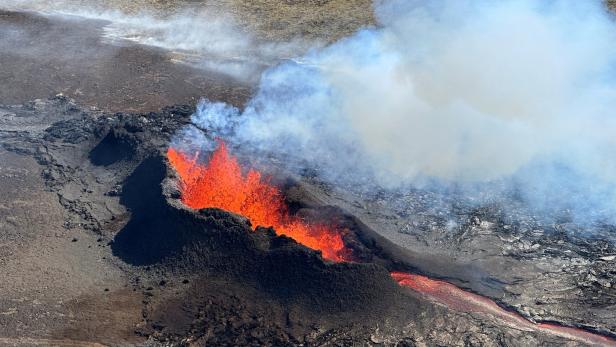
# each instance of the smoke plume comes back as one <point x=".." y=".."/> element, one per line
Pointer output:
<point x="519" y="93"/>
<point x="202" y="36"/>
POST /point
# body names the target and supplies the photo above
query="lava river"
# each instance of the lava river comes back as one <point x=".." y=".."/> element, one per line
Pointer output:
<point x="458" y="299"/>
<point x="221" y="184"/>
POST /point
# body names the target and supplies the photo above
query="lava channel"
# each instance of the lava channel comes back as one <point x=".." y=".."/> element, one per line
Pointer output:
<point x="221" y="184"/>
<point x="455" y="298"/>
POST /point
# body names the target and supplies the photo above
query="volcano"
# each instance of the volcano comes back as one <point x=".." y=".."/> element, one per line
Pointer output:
<point x="204" y="271"/>
<point x="306" y="173"/>
<point x="220" y="183"/>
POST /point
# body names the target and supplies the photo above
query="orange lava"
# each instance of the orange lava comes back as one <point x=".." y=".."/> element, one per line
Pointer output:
<point x="455" y="298"/>
<point x="221" y="184"/>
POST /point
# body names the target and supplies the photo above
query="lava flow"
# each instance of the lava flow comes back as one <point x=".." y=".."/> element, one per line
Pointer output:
<point x="461" y="300"/>
<point x="221" y="184"/>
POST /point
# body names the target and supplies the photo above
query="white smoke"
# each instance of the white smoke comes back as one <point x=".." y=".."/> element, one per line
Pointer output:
<point x="204" y="36"/>
<point x="457" y="91"/>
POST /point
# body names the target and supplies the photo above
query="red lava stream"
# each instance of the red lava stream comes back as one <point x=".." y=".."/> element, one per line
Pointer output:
<point x="461" y="300"/>
<point x="222" y="183"/>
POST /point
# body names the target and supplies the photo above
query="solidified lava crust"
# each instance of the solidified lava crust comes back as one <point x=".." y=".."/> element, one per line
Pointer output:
<point x="225" y="243"/>
<point x="206" y="276"/>
<point x="215" y="176"/>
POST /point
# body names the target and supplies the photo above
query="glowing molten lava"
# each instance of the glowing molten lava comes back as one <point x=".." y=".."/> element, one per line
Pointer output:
<point x="221" y="184"/>
<point x="453" y="297"/>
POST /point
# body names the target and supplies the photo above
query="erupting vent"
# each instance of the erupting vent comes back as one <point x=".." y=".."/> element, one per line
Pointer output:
<point x="221" y="184"/>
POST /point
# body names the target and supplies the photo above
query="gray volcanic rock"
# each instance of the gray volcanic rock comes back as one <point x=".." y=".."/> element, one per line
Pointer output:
<point x="554" y="272"/>
<point x="204" y="276"/>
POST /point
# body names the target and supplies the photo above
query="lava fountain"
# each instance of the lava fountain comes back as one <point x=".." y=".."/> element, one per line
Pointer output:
<point x="221" y="184"/>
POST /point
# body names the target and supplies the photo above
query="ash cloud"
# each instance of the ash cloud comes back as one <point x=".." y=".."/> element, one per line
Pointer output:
<point x="512" y="94"/>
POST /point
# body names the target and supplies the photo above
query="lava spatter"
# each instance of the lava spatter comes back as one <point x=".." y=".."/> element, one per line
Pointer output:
<point x="221" y="184"/>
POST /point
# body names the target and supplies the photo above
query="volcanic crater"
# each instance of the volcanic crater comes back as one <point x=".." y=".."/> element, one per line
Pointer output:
<point x="359" y="286"/>
<point x="208" y="276"/>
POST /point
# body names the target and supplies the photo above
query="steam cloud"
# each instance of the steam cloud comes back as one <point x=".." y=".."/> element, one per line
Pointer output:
<point x="469" y="93"/>
<point x="204" y="36"/>
<point x="207" y="39"/>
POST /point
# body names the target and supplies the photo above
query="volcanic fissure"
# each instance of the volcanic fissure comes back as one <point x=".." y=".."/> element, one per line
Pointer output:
<point x="221" y="183"/>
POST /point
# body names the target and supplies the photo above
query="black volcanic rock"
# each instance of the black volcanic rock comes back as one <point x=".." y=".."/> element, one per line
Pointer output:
<point x="226" y="284"/>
